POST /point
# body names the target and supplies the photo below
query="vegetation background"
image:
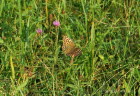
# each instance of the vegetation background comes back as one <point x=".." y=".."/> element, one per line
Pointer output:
<point x="107" y="32"/>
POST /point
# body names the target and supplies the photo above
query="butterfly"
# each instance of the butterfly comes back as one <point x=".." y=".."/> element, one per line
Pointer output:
<point x="69" y="48"/>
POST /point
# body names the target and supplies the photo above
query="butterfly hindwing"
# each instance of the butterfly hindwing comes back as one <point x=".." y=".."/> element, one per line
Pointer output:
<point x="74" y="52"/>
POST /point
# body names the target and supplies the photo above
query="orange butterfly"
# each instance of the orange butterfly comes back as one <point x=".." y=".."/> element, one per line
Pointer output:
<point x="69" y="48"/>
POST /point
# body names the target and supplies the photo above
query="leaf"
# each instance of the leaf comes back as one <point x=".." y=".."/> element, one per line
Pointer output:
<point x="22" y="85"/>
<point x="12" y="68"/>
<point x="101" y="57"/>
<point x="127" y="87"/>
<point x="111" y="56"/>
<point x="1" y="40"/>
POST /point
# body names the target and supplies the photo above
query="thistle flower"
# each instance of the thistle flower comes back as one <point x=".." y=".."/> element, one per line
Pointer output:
<point x="39" y="31"/>
<point x="56" y="23"/>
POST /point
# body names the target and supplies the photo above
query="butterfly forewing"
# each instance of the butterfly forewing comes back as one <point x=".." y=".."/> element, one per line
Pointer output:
<point x="67" y="44"/>
<point x="69" y="47"/>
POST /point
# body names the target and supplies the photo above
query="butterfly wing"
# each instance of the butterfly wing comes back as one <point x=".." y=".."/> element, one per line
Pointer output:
<point x="69" y="47"/>
<point x="75" y="52"/>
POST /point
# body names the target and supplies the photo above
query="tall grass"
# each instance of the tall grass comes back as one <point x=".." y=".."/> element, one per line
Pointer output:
<point x="107" y="32"/>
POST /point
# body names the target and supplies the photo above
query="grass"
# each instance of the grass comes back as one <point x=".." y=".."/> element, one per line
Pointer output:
<point x="107" y="32"/>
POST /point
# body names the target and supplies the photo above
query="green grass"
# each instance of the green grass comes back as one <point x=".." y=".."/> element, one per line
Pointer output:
<point x="107" y="32"/>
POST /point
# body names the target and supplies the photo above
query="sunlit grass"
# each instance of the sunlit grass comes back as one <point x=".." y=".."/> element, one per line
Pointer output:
<point x="33" y="64"/>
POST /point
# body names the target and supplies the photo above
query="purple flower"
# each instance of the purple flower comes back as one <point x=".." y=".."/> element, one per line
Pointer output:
<point x="39" y="31"/>
<point x="56" y="23"/>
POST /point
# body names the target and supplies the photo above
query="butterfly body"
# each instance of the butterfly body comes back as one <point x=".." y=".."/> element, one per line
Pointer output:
<point x="69" y="48"/>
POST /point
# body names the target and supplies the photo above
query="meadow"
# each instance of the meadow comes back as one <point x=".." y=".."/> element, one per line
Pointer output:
<point x="33" y="63"/>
